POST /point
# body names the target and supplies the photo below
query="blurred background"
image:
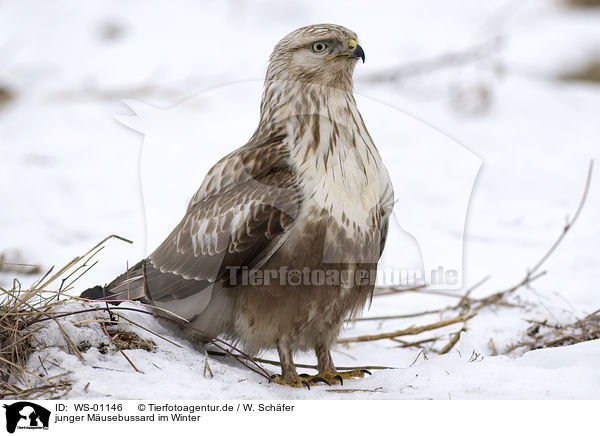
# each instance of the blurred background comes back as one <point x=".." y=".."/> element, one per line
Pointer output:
<point x="516" y="82"/>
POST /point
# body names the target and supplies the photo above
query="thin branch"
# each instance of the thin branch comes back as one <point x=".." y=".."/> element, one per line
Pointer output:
<point x="408" y="315"/>
<point x="414" y="330"/>
<point x="454" y="337"/>
<point x="445" y="60"/>
<point x="405" y="344"/>
<point x="569" y="224"/>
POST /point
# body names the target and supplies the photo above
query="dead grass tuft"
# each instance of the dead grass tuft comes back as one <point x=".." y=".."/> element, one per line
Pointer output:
<point x="128" y="340"/>
<point x="543" y="334"/>
<point x="21" y="311"/>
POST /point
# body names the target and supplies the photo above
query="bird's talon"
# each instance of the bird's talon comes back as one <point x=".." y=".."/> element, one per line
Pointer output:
<point x="320" y="379"/>
<point x="305" y="383"/>
<point x="366" y="371"/>
<point x="340" y="379"/>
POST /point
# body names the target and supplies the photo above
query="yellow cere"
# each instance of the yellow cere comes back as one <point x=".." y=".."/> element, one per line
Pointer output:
<point x="351" y="44"/>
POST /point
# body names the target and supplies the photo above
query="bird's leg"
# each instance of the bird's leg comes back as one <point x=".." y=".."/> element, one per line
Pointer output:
<point x="324" y="360"/>
<point x="289" y="376"/>
<point x="288" y="369"/>
<point x="327" y="372"/>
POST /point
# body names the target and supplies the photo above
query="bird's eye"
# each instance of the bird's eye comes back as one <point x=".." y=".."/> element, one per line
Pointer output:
<point x="319" y="47"/>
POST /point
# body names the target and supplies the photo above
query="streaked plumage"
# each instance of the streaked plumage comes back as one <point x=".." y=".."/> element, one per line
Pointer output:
<point x="308" y="190"/>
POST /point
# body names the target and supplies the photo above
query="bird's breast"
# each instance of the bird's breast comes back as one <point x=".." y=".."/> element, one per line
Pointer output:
<point x="344" y="179"/>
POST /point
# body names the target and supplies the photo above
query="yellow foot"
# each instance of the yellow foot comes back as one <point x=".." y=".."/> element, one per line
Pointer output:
<point x="327" y="377"/>
<point x="297" y="382"/>
<point x="335" y="377"/>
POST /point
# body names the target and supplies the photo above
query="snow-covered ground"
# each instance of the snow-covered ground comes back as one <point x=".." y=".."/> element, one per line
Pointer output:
<point x="178" y="371"/>
<point x="70" y="174"/>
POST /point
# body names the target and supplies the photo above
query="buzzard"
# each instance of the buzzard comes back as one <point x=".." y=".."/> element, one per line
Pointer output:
<point x="281" y="242"/>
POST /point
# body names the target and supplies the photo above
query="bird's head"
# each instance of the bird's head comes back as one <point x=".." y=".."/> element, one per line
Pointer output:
<point x="322" y="54"/>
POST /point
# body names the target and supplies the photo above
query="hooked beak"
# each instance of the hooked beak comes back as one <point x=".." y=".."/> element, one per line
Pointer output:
<point x="358" y="53"/>
<point x="355" y="51"/>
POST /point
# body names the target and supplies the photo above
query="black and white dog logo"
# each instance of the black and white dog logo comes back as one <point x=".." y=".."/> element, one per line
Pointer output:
<point x="26" y="415"/>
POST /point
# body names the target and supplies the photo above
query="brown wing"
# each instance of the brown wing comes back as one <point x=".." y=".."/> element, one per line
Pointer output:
<point x="238" y="218"/>
<point x="235" y="228"/>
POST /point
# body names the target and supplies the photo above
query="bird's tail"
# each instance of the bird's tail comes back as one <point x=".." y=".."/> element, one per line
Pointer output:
<point x="96" y="293"/>
<point x="127" y="286"/>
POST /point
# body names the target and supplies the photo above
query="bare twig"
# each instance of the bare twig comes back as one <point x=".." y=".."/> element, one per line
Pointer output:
<point x="408" y="315"/>
<point x="395" y="290"/>
<point x="207" y="366"/>
<point x="533" y="273"/>
<point x="414" y="330"/>
<point x="569" y="223"/>
<point x="419" y="344"/>
<point x="454" y="337"/>
<point x="435" y="63"/>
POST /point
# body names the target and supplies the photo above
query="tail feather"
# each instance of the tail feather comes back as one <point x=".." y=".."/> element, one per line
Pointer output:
<point x="144" y="281"/>
<point x="95" y="293"/>
<point x="127" y="286"/>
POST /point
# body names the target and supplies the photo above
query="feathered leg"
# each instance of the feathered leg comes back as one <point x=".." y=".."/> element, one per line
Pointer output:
<point x="289" y="376"/>
<point x="328" y="373"/>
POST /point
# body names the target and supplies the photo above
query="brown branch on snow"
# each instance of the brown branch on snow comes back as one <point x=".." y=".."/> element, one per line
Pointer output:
<point x="407" y="315"/>
<point x="395" y="290"/>
<point x="542" y="334"/>
<point x="405" y="344"/>
<point x="533" y="273"/>
<point x="463" y="299"/>
<point x="470" y="307"/>
<point x="435" y="63"/>
<point x="470" y="304"/>
<point x="454" y="337"/>
<point x="413" y="330"/>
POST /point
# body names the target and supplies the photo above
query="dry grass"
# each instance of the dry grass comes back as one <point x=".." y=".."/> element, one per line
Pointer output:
<point x="21" y="311"/>
<point x="543" y="334"/>
<point x="18" y="312"/>
<point x="123" y="339"/>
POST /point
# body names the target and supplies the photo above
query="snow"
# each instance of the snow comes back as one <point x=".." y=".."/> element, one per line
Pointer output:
<point x="190" y="74"/>
<point x="177" y="371"/>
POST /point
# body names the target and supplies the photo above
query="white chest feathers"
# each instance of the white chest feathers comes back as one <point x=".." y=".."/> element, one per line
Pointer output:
<point x="341" y="170"/>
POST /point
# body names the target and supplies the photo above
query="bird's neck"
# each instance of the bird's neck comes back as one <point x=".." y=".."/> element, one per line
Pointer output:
<point x="329" y="146"/>
<point x="287" y="101"/>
